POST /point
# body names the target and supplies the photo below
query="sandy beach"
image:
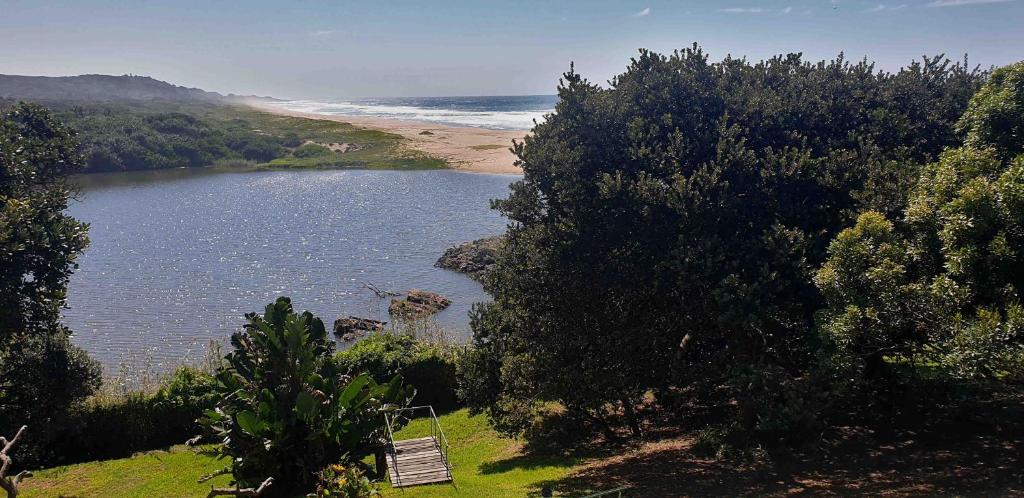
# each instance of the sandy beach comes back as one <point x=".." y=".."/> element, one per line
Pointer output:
<point x="464" y="148"/>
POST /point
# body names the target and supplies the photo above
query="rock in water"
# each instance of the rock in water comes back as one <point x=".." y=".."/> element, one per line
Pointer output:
<point x="354" y="327"/>
<point x="473" y="258"/>
<point x="418" y="304"/>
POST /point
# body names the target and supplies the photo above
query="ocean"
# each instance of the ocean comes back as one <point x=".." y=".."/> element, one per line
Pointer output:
<point x="499" y="113"/>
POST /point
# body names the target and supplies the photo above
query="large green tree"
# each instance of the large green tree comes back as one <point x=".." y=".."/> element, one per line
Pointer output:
<point x="945" y="284"/>
<point x="667" y="227"/>
<point x="41" y="372"/>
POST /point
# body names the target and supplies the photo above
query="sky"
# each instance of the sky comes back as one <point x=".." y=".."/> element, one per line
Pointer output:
<point x="324" y="49"/>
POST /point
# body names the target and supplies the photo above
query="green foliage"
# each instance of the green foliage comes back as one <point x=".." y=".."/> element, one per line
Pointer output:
<point x="132" y="136"/>
<point x="42" y="374"/>
<point x="995" y="117"/>
<point x="943" y="287"/>
<point x="142" y="421"/>
<point x="338" y="481"/>
<point x="311" y="150"/>
<point x="667" y="228"/>
<point x="429" y="368"/>
<point x="484" y="464"/>
<point x="286" y="410"/>
<point x="874" y="305"/>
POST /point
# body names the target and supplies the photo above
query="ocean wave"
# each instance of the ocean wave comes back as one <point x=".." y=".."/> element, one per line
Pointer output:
<point x="523" y="119"/>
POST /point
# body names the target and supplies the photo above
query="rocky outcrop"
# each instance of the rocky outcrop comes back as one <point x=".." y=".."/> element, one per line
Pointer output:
<point x="418" y="304"/>
<point x="353" y="327"/>
<point x="474" y="258"/>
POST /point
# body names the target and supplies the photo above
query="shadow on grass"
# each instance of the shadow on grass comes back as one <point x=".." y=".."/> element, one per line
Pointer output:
<point x="953" y="459"/>
<point x="527" y="462"/>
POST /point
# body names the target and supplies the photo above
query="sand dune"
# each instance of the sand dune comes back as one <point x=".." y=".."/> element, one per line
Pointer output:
<point x="467" y="149"/>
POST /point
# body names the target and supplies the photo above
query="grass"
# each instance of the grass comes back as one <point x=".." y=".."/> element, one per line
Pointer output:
<point x="488" y="147"/>
<point x="484" y="464"/>
<point x="374" y="149"/>
<point x="151" y="474"/>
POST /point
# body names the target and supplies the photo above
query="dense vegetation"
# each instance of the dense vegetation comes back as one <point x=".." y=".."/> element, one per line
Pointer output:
<point x="42" y="375"/>
<point x="426" y="366"/>
<point x="124" y="136"/>
<point x="775" y="248"/>
<point x="484" y="464"/>
<point x="285" y="411"/>
<point x="669" y="228"/>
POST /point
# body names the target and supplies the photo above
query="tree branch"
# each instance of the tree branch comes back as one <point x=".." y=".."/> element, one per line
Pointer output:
<point x="10" y="484"/>
<point x="241" y="491"/>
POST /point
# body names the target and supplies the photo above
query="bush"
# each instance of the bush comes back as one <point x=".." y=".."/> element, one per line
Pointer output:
<point x="429" y="368"/>
<point x="140" y="421"/>
<point x="667" y="225"/>
<point x="42" y="374"/>
<point x="311" y="150"/>
<point x="338" y="481"/>
<point x="286" y="411"/>
<point x="41" y="379"/>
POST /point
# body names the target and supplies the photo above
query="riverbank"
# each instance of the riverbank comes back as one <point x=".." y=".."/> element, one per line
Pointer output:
<point x="472" y="149"/>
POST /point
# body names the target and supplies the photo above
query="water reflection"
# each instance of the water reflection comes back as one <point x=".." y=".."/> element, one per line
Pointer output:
<point x="177" y="257"/>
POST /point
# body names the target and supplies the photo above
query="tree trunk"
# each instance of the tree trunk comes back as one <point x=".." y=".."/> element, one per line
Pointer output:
<point x="631" y="419"/>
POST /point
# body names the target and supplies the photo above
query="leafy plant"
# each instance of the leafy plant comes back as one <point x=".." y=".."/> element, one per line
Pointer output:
<point x="339" y="481"/>
<point x="42" y="374"/>
<point x="429" y="368"/>
<point x="286" y="410"/>
<point x="667" y="225"/>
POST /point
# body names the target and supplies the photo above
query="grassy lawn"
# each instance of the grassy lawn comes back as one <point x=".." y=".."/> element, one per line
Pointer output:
<point x="150" y="474"/>
<point x="484" y="465"/>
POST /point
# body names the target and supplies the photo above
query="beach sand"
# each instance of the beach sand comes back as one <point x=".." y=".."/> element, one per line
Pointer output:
<point x="464" y="148"/>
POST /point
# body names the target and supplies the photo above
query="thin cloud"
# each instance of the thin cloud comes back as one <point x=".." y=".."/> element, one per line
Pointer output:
<point x="787" y="10"/>
<point x="744" y="10"/>
<point x="961" y="3"/>
<point x="642" y="13"/>
<point x="883" y="7"/>
<point x="324" y="33"/>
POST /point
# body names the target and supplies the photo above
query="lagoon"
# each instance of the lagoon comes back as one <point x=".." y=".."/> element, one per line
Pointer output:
<point x="177" y="257"/>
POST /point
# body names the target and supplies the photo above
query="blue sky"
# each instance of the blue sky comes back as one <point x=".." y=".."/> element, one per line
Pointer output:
<point x="339" y="49"/>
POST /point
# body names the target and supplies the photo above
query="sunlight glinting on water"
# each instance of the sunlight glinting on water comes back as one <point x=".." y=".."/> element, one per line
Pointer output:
<point x="177" y="259"/>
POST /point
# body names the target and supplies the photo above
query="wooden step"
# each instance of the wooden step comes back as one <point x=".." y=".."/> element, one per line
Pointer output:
<point x="418" y="461"/>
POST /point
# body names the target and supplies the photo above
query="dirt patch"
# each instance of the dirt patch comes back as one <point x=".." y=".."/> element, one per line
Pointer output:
<point x="956" y="460"/>
<point x="340" y="148"/>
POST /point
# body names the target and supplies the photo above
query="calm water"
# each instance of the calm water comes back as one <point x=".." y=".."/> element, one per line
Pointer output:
<point x="502" y="113"/>
<point x="177" y="257"/>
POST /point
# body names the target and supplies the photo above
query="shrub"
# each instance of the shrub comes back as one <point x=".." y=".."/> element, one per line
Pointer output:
<point x="995" y="116"/>
<point x="667" y="224"/>
<point x="42" y="374"/>
<point x="311" y="150"/>
<point x="140" y="421"/>
<point x="429" y="368"/>
<point x="262" y="149"/>
<point x="339" y="481"/>
<point x="286" y="411"/>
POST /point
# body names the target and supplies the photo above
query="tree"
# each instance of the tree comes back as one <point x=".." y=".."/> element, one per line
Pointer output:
<point x="286" y="410"/>
<point x="995" y="117"/>
<point x="41" y="373"/>
<point x="667" y="228"/>
<point x="947" y="284"/>
<point x="874" y="303"/>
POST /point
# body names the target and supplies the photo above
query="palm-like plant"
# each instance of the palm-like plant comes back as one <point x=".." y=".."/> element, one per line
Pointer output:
<point x="286" y="411"/>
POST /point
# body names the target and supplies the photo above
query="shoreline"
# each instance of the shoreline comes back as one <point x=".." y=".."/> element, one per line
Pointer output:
<point x="477" y="150"/>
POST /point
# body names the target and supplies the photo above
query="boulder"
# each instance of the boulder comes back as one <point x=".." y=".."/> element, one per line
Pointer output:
<point x="354" y="327"/>
<point x="474" y="258"/>
<point x="418" y="304"/>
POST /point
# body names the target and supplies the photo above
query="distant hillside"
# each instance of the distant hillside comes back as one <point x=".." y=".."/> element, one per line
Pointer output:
<point x="104" y="88"/>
